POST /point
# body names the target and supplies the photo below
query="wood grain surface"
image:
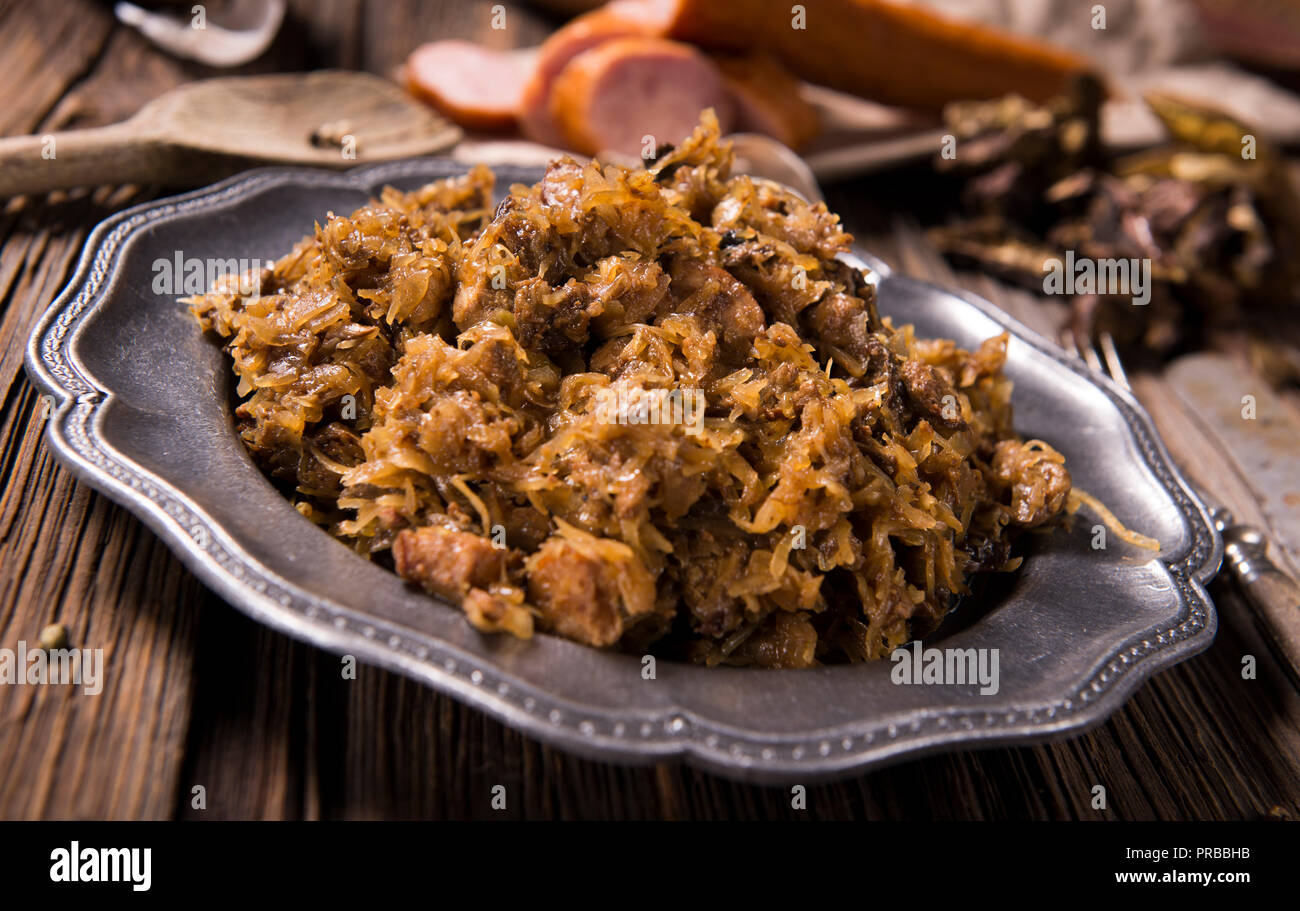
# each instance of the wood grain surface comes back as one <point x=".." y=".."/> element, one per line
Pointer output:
<point x="196" y="694"/>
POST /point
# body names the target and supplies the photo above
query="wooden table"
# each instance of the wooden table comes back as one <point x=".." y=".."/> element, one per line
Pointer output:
<point x="197" y="694"/>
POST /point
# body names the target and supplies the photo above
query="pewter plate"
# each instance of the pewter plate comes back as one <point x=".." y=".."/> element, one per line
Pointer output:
<point x="142" y="412"/>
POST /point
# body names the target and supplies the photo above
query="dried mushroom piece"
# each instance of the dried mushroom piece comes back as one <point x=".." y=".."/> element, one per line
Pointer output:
<point x="1212" y="213"/>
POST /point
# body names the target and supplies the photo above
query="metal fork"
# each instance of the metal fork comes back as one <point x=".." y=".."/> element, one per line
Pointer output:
<point x="1272" y="594"/>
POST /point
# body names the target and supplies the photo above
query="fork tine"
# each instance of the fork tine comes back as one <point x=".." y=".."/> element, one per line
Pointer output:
<point x="1083" y="344"/>
<point x="1113" y="364"/>
<point x="1065" y="338"/>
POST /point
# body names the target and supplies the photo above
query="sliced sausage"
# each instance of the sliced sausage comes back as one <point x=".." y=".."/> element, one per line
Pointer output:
<point x="577" y="37"/>
<point x="767" y="99"/>
<point x="476" y="86"/>
<point x="613" y="96"/>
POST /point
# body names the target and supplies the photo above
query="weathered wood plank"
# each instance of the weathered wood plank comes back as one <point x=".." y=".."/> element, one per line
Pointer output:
<point x="80" y="560"/>
<point x="44" y="55"/>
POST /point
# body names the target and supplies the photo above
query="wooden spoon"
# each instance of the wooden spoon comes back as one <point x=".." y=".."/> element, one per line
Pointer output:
<point x="205" y="130"/>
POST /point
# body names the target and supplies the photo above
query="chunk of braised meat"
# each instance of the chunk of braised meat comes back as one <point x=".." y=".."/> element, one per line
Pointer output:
<point x="785" y="640"/>
<point x="327" y="447"/>
<point x="560" y="188"/>
<point x="492" y="265"/>
<point x="397" y="273"/>
<point x="717" y="300"/>
<point x="642" y="354"/>
<point x="844" y="322"/>
<point x="706" y="565"/>
<point x="616" y="292"/>
<point x="931" y="396"/>
<point x="625" y="289"/>
<point x="779" y="280"/>
<point x="586" y="597"/>
<point x="552" y="320"/>
<point x="447" y="561"/>
<point x="525" y="527"/>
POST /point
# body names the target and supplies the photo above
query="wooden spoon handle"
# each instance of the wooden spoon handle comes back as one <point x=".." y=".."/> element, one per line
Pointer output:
<point x="82" y="158"/>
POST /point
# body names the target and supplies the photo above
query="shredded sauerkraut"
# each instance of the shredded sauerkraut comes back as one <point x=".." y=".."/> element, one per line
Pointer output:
<point x="463" y="392"/>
